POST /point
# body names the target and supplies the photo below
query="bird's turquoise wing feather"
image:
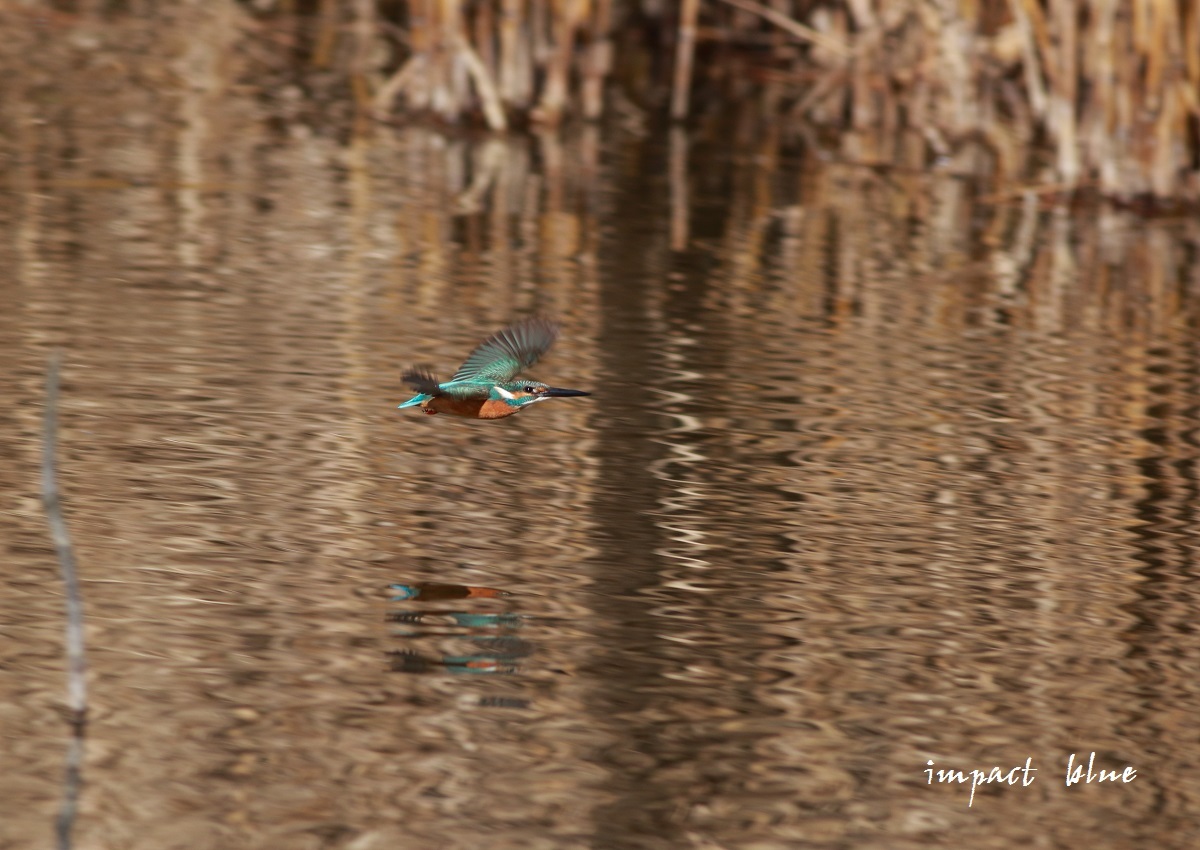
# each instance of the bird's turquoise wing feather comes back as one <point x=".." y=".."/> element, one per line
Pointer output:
<point x="505" y="353"/>
<point x="421" y="379"/>
<point x="466" y="389"/>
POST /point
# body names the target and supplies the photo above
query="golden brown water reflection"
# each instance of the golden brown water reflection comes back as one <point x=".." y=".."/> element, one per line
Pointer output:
<point x="875" y="473"/>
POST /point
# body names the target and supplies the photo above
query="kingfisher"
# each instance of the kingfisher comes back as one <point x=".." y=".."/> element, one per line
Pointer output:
<point x="486" y="385"/>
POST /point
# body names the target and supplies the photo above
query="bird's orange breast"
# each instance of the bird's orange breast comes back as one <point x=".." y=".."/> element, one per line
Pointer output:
<point x="471" y="408"/>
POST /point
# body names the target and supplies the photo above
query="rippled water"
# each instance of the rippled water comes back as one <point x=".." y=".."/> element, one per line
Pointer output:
<point x="879" y="469"/>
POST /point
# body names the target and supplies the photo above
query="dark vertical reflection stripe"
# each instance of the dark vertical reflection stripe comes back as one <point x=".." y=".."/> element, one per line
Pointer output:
<point x="629" y="661"/>
<point x="1161" y="612"/>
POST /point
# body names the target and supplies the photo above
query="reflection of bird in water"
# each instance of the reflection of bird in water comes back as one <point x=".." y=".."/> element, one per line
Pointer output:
<point x="486" y="385"/>
<point x="486" y="664"/>
<point x="429" y="591"/>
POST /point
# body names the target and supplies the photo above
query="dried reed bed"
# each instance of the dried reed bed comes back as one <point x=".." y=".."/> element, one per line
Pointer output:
<point x="1113" y="90"/>
<point x="497" y="58"/>
<point x="1066" y="94"/>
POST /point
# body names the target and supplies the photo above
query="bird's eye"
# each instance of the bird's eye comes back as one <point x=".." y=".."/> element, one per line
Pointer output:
<point x="531" y="389"/>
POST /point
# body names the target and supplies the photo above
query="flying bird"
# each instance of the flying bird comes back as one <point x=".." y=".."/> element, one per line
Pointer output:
<point x="487" y="385"/>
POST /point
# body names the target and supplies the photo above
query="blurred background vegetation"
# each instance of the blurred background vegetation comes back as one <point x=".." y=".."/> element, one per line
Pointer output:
<point x="1091" y="97"/>
<point x="1073" y="94"/>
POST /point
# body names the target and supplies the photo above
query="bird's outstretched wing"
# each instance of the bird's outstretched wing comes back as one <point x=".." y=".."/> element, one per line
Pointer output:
<point x="505" y="353"/>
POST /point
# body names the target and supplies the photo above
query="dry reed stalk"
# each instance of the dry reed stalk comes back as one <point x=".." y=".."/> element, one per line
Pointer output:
<point x="484" y="28"/>
<point x="598" y="60"/>
<point x="862" y="71"/>
<point x="1096" y="114"/>
<point x="446" y="90"/>
<point x="1191" y="48"/>
<point x="514" y="74"/>
<point x="1159" y="52"/>
<point x="1028" y="21"/>
<point x="489" y="100"/>
<point x="685" y="48"/>
<point x="554" y="91"/>
<point x="1062" y="101"/>
<point x="365" y="27"/>
<point x="443" y="88"/>
<point x="327" y="31"/>
<point x="418" y="70"/>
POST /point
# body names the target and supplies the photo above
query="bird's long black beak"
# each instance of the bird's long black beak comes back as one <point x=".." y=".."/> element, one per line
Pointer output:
<point x="557" y="392"/>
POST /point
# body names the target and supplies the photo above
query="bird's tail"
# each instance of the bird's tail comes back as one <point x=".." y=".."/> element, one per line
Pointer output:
<point x="421" y="379"/>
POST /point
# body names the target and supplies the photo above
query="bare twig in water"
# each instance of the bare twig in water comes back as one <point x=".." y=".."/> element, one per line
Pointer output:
<point x="76" y="665"/>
